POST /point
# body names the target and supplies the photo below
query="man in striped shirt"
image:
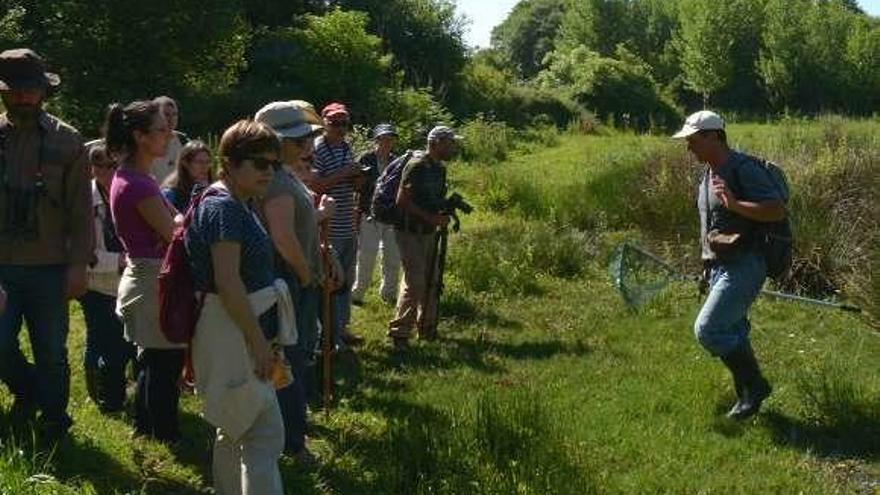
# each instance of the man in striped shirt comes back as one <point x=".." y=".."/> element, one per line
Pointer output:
<point x="336" y="176"/>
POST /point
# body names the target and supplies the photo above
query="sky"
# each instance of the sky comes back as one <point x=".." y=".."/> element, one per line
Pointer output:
<point x="483" y="15"/>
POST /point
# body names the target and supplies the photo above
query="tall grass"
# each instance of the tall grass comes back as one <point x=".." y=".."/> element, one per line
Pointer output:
<point x="508" y="443"/>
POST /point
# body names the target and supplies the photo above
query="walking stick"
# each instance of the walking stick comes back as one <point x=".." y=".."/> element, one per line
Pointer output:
<point x="435" y="280"/>
<point x="326" y="331"/>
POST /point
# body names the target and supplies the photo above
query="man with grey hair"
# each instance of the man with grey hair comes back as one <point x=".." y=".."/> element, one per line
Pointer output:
<point x="421" y="200"/>
<point x="373" y="233"/>
<point x="163" y="166"/>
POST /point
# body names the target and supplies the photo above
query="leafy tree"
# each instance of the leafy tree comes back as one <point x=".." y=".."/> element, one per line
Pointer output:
<point x="654" y="25"/>
<point x="330" y="66"/>
<point x="783" y="53"/>
<point x="118" y="50"/>
<point x="280" y="13"/>
<point x="425" y="38"/>
<point x="619" y="88"/>
<point x="863" y="61"/>
<point x="599" y="25"/>
<point x="315" y="63"/>
<point x="11" y="29"/>
<point x="528" y="34"/>
<point x="808" y="52"/>
<point x="710" y="34"/>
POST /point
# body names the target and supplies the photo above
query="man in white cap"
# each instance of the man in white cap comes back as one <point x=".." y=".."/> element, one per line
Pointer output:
<point x="735" y="194"/>
<point x="421" y="199"/>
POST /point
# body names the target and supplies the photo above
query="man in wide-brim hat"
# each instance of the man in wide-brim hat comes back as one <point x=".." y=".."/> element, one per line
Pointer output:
<point x="46" y="238"/>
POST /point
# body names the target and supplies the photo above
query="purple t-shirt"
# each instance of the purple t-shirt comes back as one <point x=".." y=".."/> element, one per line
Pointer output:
<point x="130" y="187"/>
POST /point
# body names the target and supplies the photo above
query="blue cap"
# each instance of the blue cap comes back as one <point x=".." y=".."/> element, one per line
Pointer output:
<point x="384" y="130"/>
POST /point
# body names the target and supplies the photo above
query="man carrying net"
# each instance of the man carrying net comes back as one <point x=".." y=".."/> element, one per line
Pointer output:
<point x="735" y="195"/>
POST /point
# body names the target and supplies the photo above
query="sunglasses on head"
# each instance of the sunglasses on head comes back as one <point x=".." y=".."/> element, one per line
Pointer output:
<point x="261" y="163"/>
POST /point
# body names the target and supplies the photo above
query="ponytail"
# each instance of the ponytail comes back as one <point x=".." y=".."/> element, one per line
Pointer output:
<point x="121" y="123"/>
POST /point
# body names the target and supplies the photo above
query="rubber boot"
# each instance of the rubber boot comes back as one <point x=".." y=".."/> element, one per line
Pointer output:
<point x="751" y="386"/>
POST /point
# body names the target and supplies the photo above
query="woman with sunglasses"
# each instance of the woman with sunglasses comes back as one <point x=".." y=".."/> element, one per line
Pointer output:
<point x="245" y="309"/>
<point x="144" y="220"/>
<point x="106" y="352"/>
<point x="193" y="167"/>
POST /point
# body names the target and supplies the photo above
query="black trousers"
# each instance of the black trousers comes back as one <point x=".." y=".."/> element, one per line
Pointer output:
<point x="158" y="393"/>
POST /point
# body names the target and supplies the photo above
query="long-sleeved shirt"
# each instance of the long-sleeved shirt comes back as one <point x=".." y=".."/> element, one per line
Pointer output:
<point x="104" y="273"/>
<point x="45" y="194"/>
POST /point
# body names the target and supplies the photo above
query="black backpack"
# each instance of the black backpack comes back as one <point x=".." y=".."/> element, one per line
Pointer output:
<point x="775" y="240"/>
<point x="383" y="206"/>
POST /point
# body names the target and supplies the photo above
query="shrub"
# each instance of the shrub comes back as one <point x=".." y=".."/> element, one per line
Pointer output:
<point x="485" y="140"/>
<point x="509" y="258"/>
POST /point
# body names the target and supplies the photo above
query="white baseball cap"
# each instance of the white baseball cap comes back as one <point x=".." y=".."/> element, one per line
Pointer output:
<point x="290" y="119"/>
<point x="704" y="120"/>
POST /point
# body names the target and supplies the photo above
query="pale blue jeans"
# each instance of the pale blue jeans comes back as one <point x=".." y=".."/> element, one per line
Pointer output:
<point x="722" y="325"/>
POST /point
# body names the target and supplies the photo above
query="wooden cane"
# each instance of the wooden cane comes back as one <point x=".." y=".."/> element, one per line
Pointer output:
<point x="326" y="329"/>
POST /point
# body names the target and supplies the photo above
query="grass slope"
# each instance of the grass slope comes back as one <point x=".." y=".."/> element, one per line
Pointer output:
<point x="542" y="382"/>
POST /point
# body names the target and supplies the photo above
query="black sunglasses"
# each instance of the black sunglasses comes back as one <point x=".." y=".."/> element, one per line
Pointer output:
<point x="338" y="123"/>
<point x="260" y="163"/>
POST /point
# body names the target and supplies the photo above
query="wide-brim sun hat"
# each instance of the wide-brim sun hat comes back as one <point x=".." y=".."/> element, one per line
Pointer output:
<point x="290" y="119"/>
<point x="22" y="68"/>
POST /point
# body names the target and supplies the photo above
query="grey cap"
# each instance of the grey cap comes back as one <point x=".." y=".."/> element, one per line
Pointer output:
<point x="290" y="119"/>
<point x="384" y="130"/>
<point x="442" y="132"/>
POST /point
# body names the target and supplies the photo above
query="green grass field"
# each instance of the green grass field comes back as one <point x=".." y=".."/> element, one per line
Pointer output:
<point x="543" y="381"/>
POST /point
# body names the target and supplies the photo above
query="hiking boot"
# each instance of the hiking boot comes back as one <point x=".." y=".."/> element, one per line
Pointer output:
<point x="351" y="339"/>
<point x="751" y="386"/>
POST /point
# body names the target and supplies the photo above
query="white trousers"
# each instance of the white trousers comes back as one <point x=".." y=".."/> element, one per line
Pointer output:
<point x="249" y="465"/>
<point x="374" y="235"/>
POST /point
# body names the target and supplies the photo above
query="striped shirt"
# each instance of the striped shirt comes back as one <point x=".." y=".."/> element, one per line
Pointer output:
<point x="329" y="159"/>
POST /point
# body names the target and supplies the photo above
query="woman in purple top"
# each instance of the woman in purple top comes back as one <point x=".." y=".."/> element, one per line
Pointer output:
<point x="138" y="134"/>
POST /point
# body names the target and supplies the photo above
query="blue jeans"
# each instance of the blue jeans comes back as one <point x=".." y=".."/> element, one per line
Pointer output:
<point x="722" y="325"/>
<point x="36" y="295"/>
<point x="107" y="352"/>
<point x="340" y="301"/>
<point x="293" y="399"/>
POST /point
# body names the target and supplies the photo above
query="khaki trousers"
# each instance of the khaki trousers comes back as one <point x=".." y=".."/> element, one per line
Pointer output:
<point x="249" y="465"/>
<point x="415" y="306"/>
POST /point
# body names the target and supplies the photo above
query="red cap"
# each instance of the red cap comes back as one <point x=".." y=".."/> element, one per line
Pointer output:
<point x="334" y="109"/>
